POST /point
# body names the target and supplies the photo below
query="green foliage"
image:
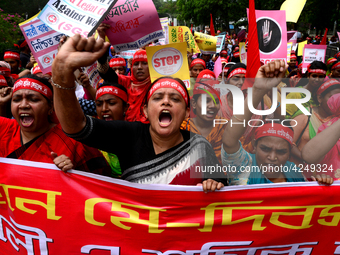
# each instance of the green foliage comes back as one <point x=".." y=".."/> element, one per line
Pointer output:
<point x="10" y="32"/>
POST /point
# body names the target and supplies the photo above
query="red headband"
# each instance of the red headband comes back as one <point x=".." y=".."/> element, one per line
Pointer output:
<point x="337" y="55"/>
<point x="117" y="62"/>
<point x="293" y="57"/>
<point x="5" y="71"/>
<point x="330" y="61"/>
<point x="169" y="83"/>
<point x="336" y="66"/>
<point x="317" y="71"/>
<point x="23" y="44"/>
<point x="197" y="61"/>
<point x="236" y="54"/>
<point x="237" y="71"/>
<point x="275" y="129"/>
<point x="140" y="55"/>
<point x="12" y="54"/>
<point x="3" y="82"/>
<point x="206" y="74"/>
<point x="112" y="91"/>
<point x="201" y="89"/>
<point x="223" y="52"/>
<point x="326" y="85"/>
<point x="36" y="70"/>
<point x="32" y="84"/>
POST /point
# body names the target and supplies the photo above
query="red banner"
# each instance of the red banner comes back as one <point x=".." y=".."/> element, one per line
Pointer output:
<point x="46" y="211"/>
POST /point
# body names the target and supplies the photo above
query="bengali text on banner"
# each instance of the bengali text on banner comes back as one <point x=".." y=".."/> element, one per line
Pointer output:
<point x="46" y="211"/>
<point x="134" y="24"/>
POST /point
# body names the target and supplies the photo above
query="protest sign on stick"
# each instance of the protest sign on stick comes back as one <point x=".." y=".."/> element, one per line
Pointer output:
<point x="42" y="41"/>
<point x="134" y="24"/>
<point x="72" y="17"/>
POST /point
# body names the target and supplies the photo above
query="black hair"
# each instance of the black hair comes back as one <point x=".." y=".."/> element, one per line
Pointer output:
<point x="145" y="100"/>
<point x="237" y="65"/>
<point x="13" y="50"/>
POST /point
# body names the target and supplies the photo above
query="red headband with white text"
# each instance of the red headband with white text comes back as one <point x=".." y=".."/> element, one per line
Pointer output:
<point x="12" y="54"/>
<point x="237" y="71"/>
<point x="112" y="91"/>
<point x="274" y="129"/>
<point x="169" y="83"/>
<point x="32" y="84"/>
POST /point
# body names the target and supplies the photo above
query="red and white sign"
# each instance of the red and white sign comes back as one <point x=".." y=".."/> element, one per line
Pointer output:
<point x="46" y="211"/>
<point x="169" y="60"/>
<point x="312" y="52"/>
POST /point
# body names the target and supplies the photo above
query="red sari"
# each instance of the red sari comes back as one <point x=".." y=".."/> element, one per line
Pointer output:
<point x="83" y="157"/>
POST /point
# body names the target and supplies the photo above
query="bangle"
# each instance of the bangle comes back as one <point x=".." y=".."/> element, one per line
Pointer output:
<point x="60" y="87"/>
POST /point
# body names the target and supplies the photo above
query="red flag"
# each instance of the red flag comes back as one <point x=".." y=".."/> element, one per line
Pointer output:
<point x="324" y="38"/>
<point x="191" y="28"/>
<point x="253" y="52"/>
<point x="212" y="29"/>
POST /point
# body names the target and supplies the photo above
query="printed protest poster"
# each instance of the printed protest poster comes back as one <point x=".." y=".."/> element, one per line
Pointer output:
<point x="272" y="35"/>
<point x="72" y="17"/>
<point x="42" y="41"/>
<point x="127" y="54"/>
<point x="93" y="74"/>
<point x="312" y="52"/>
<point x="134" y="24"/>
<point x="220" y="43"/>
<point x="164" y="23"/>
<point x="292" y="37"/>
<point x="182" y="34"/>
<point x="169" y="60"/>
<point x="243" y="53"/>
<point x="206" y="43"/>
<point x="49" y="212"/>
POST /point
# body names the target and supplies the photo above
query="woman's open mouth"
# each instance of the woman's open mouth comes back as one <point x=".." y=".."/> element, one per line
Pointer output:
<point x="107" y="117"/>
<point x="165" y="118"/>
<point x="26" y="120"/>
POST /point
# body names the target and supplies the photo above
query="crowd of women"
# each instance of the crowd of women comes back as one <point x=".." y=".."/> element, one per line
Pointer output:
<point x="159" y="132"/>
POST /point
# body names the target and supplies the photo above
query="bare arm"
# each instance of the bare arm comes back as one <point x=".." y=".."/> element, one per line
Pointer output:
<point x="323" y="141"/>
<point x="274" y="70"/>
<point x="75" y="53"/>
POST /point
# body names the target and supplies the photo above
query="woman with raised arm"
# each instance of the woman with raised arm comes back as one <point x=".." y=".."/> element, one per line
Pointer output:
<point x="324" y="149"/>
<point x="273" y="141"/>
<point x="158" y="152"/>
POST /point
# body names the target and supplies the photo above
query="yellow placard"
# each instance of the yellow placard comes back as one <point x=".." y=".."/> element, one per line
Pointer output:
<point x="206" y="43"/>
<point x="293" y="9"/>
<point x="183" y="34"/>
<point x="169" y="60"/>
<point x="301" y="45"/>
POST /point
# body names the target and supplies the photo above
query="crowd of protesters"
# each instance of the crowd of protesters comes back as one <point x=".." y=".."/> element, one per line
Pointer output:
<point x="154" y="132"/>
